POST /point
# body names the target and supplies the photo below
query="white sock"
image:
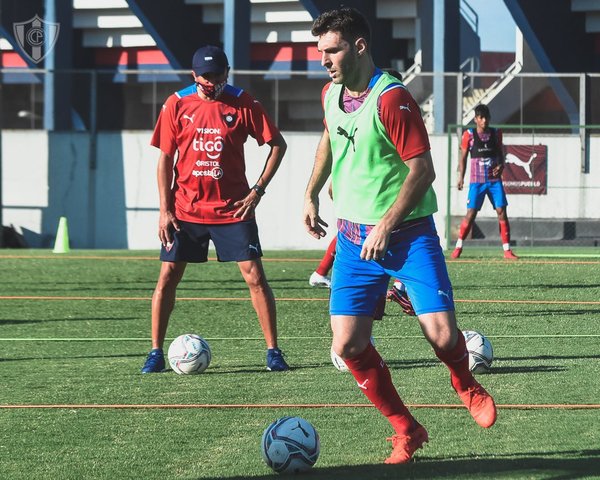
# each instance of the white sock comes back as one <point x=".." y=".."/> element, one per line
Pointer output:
<point x="459" y="243"/>
<point x="506" y="246"/>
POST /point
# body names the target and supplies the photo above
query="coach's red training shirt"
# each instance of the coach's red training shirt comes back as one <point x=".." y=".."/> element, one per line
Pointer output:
<point x="209" y="137"/>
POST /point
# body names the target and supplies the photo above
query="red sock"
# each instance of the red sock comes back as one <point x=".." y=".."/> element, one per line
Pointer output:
<point x="374" y="379"/>
<point x="504" y="231"/>
<point x="465" y="228"/>
<point x="457" y="361"/>
<point x="328" y="258"/>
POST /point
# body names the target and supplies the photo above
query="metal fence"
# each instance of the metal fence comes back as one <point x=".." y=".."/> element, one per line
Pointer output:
<point x="131" y="99"/>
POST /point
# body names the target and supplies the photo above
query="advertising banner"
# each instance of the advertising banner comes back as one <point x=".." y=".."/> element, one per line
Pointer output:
<point x="526" y="169"/>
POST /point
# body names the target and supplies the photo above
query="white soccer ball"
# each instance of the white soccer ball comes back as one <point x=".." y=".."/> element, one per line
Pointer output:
<point x="481" y="353"/>
<point x="189" y="354"/>
<point x="338" y="362"/>
<point x="290" y="445"/>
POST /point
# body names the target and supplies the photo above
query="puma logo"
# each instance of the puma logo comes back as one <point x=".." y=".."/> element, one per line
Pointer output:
<point x="445" y="294"/>
<point x="405" y="107"/>
<point x="511" y="158"/>
<point x="191" y="119"/>
<point x="344" y="133"/>
<point x="253" y="247"/>
<point x="363" y="385"/>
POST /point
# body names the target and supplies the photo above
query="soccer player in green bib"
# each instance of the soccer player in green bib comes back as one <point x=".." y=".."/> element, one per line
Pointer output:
<point x="376" y="149"/>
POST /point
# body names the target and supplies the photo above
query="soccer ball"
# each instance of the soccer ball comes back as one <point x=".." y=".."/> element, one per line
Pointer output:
<point x="481" y="353"/>
<point x="290" y="445"/>
<point x="189" y="354"/>
<point x="338" y="362"/>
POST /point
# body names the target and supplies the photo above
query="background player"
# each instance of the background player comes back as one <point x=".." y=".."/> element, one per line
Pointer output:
<point x="487" y="163"/>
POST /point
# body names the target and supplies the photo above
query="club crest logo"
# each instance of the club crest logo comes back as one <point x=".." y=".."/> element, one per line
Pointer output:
<point x="36" y="37"/>
<point x="229" y="119"/>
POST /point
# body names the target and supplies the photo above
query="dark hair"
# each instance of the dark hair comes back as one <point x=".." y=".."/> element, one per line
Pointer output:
<point x="393" y="73"/>
<point x="482" y="110"/>
<point x="349" y="22"/>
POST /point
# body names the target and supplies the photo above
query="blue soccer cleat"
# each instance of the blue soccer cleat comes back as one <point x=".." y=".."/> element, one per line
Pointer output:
<point x="275" y="361"/>
<point x="155" y="361"/>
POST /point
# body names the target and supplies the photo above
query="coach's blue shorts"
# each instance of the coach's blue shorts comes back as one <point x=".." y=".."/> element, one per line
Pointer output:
<point x="414" y="257"/>
<point x="478" y="192"/>
<point x="234" y="242"/>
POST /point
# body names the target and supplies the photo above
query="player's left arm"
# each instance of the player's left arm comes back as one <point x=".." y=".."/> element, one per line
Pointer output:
<point x="406" y="130"/>
<point x="420" y="177"/>
<point x="264" y="131"/>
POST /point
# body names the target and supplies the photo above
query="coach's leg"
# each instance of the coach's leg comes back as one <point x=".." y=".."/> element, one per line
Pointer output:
<point x="163" y="299"/>
<point x="262" y="297"/>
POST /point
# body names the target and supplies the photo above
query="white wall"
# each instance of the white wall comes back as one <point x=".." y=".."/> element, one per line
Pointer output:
<point x="115" y="205"/>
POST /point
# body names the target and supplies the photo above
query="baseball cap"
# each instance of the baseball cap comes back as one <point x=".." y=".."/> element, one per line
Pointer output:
<point x="209" y="59"/>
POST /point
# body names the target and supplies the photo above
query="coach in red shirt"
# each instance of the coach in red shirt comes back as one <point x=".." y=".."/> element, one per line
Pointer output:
<point x="204" y="194"/>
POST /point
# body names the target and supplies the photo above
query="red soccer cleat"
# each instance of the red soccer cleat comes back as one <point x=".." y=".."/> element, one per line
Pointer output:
<point x="401" y="298"/>
<point x="404" y="446"/>
<point x="456" y="253"/>
<point x="509" y="255"/>
<point x="480" y="404"/>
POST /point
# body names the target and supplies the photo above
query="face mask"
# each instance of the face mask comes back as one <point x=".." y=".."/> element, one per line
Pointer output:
<point x="212" y="91"/>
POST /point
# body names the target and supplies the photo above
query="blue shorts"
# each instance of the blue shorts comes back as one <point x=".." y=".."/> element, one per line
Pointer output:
<point x="478" y="192"/>
<point x="234" y="242"/>
<point x="414" y="257"/>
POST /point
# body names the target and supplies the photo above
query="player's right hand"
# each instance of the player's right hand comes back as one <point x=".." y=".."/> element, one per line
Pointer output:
<point x="312" y="222"/>
<point x="166" y="223"/>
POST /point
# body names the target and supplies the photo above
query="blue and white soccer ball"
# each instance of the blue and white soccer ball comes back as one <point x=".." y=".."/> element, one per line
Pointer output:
<point x="481" y="353"/>
<point x="290" y="445"/>
<point x="189" y="354"/>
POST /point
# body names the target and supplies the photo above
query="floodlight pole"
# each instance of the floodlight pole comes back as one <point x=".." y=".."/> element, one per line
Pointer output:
<point x="236" y="41"/>
<point x="49" y="97"/>
<point x="439" y="27"/>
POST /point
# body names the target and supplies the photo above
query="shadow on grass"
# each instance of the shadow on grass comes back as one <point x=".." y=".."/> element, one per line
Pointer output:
<point x="552" y="357"/>
<point x="568" y="310"/>
<point x="65" y="319"/>
<point x="546" y="465"/>
<point x="537" y="369"/>
<point x="69" y="357"/>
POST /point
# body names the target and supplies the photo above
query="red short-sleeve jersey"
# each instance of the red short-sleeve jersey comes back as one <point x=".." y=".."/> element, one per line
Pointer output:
<point x="208" y="138"/>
